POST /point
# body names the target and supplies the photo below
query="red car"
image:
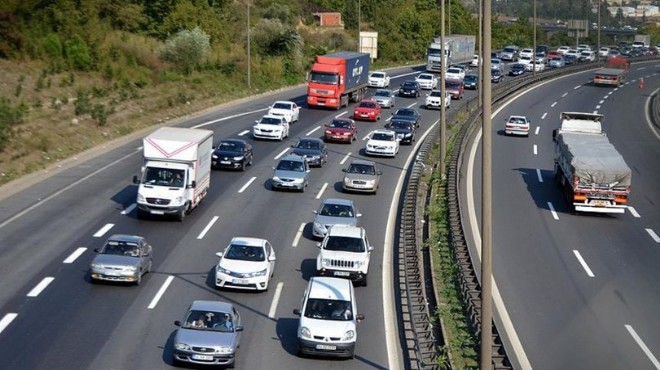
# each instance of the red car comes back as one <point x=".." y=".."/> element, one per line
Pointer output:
<point x="340" y="129"/>
<point x="455" y="88"/>
<point x="367" y="109"/>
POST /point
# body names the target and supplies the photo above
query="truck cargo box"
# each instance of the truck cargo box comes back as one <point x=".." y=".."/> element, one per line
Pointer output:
<point x="357" y="66"/>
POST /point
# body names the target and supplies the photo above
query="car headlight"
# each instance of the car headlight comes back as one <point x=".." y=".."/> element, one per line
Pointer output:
<point x="140" y="198"/>
<point x="182" y="346"/>
<point x="328" y="132"/>
<point x="275" y="178"/>
<point x="255" y="274"/>
<point x="304" y="332"/>
<point x="358" y="264"/>
<point x="177" y="201"/>
<point x="224" y="350"/>
<point x="355" y="113"/>
<point x="214" y="156"/>
<point x="240" y="158"/>
<point x="350" y="334"/>
<point x="318" y="225"/>
<point x="325" y="261"/>
<point x="347" y="180"/>
<point x="95" y="266"/>
<point x="223" y="270"/>
<point x="130" y="268"/>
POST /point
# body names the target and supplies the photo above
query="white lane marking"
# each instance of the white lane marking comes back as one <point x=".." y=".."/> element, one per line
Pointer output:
<point x="298" y="235"/>
<point x="40" y="287"/>
<point x="388" y="119"/>
<point x="230" y="117"/>
<point x="544" y="114"/>
<point x="73" y="256"/>
<point x="242" y="133"/>
<point x="633" y="212"/>
<point x="412" y="105"/>
<point x="552" y="210"/>
<point x="208" y="227"/>
<point x="536" y="132"/>
<point x="553" y="104"/>
<point x="609" y="93"/>
<point x="643" y="346"/>
<point x="598" y="106"/>
<point x="341" y="114"/>
<point x="160" y="292"/>
<point x="366" y="137"/>
<point x="655" y="236"/>
<point x="601" y="102"/>
<point x="250" y="181"/>
<point x="536" y="150"/>
<point x="281" y="153"/>
<point x="348" y="155"/>
<point x="583" y="263"/>
<point x="640" y="68"/>
<point x="311" y="132"/>
<point x="563" y="96"/>
<point x="276" y="299"/>
<point x="605" y="97"/>
<point x="6" y="320"/>
<point x="103" y="230"/>
<point x="538" y="174"/>
<point x="129" y="209"/>
<point x="325" y="185"/>
<point x="596" y="111"/>
<point x="577" y="87"/>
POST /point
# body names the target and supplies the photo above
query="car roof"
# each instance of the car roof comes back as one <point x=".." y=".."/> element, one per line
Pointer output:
<point x="363" y="162"/>
<point x="323" y="287"/>
<point x="368" y="101"/>
<point x="216" y="306"/>
<point x="348" y="231"/>
<point x="293" y="157"/>
<point x="254" y="242"/>
<point x="126" y="238"/>
<point x="389" y="132"/>
<point x="273" y="116"/>
<point x="314" y="139"/>
<point x="346" y="202"/>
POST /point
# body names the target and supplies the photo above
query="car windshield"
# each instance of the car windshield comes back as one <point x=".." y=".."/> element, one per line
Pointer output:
<point x="471" y="78"/>
<point x="377" y="75"/>
<point x="163" y="177"/>
<point x="324" y="78"/>
<point x="509" y="50"/>
<point x="336" y="210"/>
<point x="286" y="165"/>
<point x="270" y="121"/>
<point x="425" y="77"/>
<point x="382" y="93"/>
<point x="452" y="85"/>
<point x="367" y="104"/>
<point x="404" y="112"/>
<point x="308" y="144"/>
<point x="409" y="85"/>
<point x="328" y="309"/>
<point x="364" y="169"/>
<point x="436" y="93"/>
<point x="120" y="248"/>
<point x="344" y="244"/>
<point x="282" y="106"/>
<point x="245" y="253"/>
<point x="517" y="120"/>
<point x="339" y="124"/>
<point x="453" y="70"/>
<point x="208" y="320"/>
<point x="401" y="125"/>
<point x="229" y="146"/>
<point x="382" y="136"/>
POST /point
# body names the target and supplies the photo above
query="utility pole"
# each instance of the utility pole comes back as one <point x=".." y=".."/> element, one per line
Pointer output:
<point x="248" y="46"/>
<point x="534" y="32"/>
<point x="359" y="26"/>
<point x="443" y="89"/>
<point x="598" y="36"/>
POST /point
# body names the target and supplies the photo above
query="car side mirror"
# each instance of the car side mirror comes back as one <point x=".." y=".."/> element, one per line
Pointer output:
<point x="272" y="258"/>
<point x="358" y="215"/>
<point x="359" y="317"/>
<point x="257" y="121"/>
<point x="239" y="328"/>
<point x="219" y="254"/>
<point x="370" y="249"/>
<point x="308" y="171"/>
<point x="177" y="323"/>
<point x="344" y="170"/>
<point x="554" y="135"/>
<point x="296" y="311"/>
<point x="315" y="211"/>
<point x="193" y="184"/>
<point x="318" y="245"/>
<point x="136" y="180"/>
<point x="97" y="250"/>
<point x="379" y="173"/>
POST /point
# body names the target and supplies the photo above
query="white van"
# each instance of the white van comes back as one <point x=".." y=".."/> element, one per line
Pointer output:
<point x="328" y="318"/>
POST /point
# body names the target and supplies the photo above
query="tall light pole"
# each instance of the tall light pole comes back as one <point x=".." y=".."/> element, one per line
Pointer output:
<point x="449" y="18"/>
<point x="443" y="89"/>
<point x="248" y="46"/>
<point x="359" y="26"/>
<point x="534" y="33"/>
<point x="598" y="36"/>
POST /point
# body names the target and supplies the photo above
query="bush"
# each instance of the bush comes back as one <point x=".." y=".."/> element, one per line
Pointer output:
<point x="83" y="104"/>
<point x="10" y="116"/>
<point x="187" y="49"/>
<point x="78" y="54"/>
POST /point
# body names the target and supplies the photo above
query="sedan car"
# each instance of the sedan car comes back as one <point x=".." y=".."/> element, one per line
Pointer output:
<point x="527" y="52"/>
<point x="408" y="114"/>
<point x="434" y="100"/>
<point x="410" y="89"/>
<point x="209" y="334"/>
<point x="385" y="98"/>
<point x="517" y="125"/>
<point x="333" y="212"/>
<point x="570" y="59"/>
<point x="405" y="130"/>
<point x="340" y="130"/>
<point x="454" y="73"/>
<point x="367" y="109"/>
<point x="290" y="173"/>
<point x="312" y="149"/>
<point x="455" y="88"/>
<point x="361" y="176"/>
<point x="517" y="69"/>
<point x="427" y="81"/>
<point x="471" y="81"/>
<point x="379" y="79"/>
<point x="233" y="154"/>
<point x="123" y="258"/>
<point x="287" y="109"/>
<point x="246" y="263"/>
<point x="382" y="143"/>
<point x="556" y="62"/>
<point x="536" y="65"/>
<point x="271" y="127"/>
<point x="496" y="76"/>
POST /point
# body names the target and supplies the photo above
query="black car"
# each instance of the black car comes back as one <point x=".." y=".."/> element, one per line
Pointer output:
<point x="496" y="76"/>
<point x="232" y="154"/>
<point x="312" y="149"/>
<point x="570" y="59"/>
<point x="410" y="89"/>
<point x="405" y="130"/>
<point x="471" y="81"/>
<point x="407" y="114"/>
<point x="517" y="69"/>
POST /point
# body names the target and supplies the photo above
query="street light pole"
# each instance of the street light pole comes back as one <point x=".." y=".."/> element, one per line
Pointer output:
<point x="249" y="77"/>
<point x="359" y="26"/>
<point x="534" y="33"/>
<point x="443" y="89"/>
<point x="598" y="36"/>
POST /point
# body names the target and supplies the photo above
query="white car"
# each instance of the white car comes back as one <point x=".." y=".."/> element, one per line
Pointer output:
<point x="563" y="49"/>
<point x="517" y="125"/>
<point x="454" y="73"/>
<point x="382" y="142"/>
<point x="476" y="61"/>
<point x="379" y="79"/>
<point x="344" y="253"/>
<point x="536" y="65"/>
<point x="497" y="64"/>
<point x="246" y="263"/>
<point x="287" y="109"/>
<point x="603" y="51"/>
<point x="434" y="100"/>
<point x="527" y="52"/>
<point x="587" y="56"/>
<point x="271" y="127"/>
<point x="526" y="60"/>
<point x="573" y="52"/>
<point x="427" y="81"/>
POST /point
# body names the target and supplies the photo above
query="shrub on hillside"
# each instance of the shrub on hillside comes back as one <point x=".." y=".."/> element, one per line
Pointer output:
<point x="187" y="49"/>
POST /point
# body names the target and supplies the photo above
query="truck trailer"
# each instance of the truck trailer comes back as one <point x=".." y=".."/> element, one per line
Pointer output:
<point x="337" y="78"/>
<point x="592" y="174"/>
<point x="176" y="173"/>
<point x="458" y="49"/>
<point x="613" y="73"/>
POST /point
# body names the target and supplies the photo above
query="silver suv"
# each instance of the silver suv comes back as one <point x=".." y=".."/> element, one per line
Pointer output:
<point x="345" y="253"/>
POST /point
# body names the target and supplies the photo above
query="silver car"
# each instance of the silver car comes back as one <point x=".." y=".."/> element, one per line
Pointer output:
<point x="290" y="173"/>
<point x="123" y="258"/>
<point x="385" y="98"/>
<point x="361" y="176"/>
<point x="332" y="212"/>
<point x="209" y="334"/>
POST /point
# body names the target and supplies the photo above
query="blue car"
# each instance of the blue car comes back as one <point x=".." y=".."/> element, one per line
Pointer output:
<point x="517" y="69"/>
<point x="556" y="62"/>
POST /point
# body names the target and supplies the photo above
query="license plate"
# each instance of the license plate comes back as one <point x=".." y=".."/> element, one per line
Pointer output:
<point x="240" y="281"/>
<point x="287" y="184"/>
<point x="365" y="115"/>
<point x="342" y="273"/>
<point x="225" y="162"/>
<point x="320" y="103"/>
<point x="112" y="273"/>
<point x="157" y="212"/>
<point x="599" y="203"/>
<point x="326" y="347"/>
<point x="202" y="357"/>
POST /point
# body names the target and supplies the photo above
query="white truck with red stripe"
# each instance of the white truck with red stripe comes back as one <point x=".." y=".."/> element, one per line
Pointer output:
<point x="591" y="172"/>
<point x="176" y="173"/>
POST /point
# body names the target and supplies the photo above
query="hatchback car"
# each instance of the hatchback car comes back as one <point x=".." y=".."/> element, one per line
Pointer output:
<point x="405" y="130"/>
<point x="209" y="334"/>
<point x="367" y="109"/>
<point x="556" y="62"/>
<point x="517" y="69"/>
<point x="246" y="263"/>
<point x="454" y="73"/>
<point x="379" y="79"/>
<point x="410" y="89"/>
<point x="455" y="88"/>
<point x="331" y="212"/>
<point x="517" y="125"/>
<point x="427" y="81"/>
<point x="434" y="100"/>
<point x="271" y="127"/>
<point x="496" y="76"/>
<point x="383" y="143"/>
<point x="290" y="173"/>
<point x="342" y="130"/>
<point x="361" y="176"/>
<point x="232" y="154"/>
<point x="510" y="53"/>
<point x="312" y="149"/>
<point x="287" y="109"/>
<point x="471" y="81"/>
<point x="408" y="114"/>
<point x="385" y="98"/>
<point x="123" y="258"/>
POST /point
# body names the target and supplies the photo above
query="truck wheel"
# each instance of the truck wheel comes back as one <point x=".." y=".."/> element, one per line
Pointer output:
<point x="364" y="282"/>
<point x="141" y="215"/>
<point x="182" y="215"/>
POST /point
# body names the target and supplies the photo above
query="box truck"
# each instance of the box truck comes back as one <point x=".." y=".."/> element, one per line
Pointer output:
<point x="337" y="78"/>
<point x="458" y="49"/>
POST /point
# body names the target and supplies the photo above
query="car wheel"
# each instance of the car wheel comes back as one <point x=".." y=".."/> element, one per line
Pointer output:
<point x="151" y="262"/>
<point x="250" y="163"/>
<point x="138" y="281"/>
<point x="141" y="215"/>
<point x="364" y="282"/>
<point x="243" y="165"/>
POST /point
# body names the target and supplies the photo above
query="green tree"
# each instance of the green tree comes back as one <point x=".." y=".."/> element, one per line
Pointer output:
<point x="187" y="49"/>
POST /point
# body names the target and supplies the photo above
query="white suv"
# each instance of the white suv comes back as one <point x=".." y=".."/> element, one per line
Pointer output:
<point x="345" y="253"/>
<point x="328" y="318"/>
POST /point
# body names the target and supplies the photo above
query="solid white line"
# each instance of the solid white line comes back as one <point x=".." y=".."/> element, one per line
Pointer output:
<point x="641" y="68"/>
<point x="535" y="150"/>
<point x="536" y="132"/>
<point x="250" y="181"/>
<point x="40" y="287"/>
<point x="325" y="185"/>
<point x="348" y="155"/>
<point x="298" y="235"/>
<point x="655" y="236"/>
<point x="633" y="212"/>
<point x="243" y="132"/>
<point x="160" y="293"/>
<point x="643" y="346"/>
<point x="583" y="263"/>
<point x="553" y="104"/>
<point x="577" y="87"/>
<point x="73" y="256"/>
<point x="538" y="174"/>
<point x="552" y="210"/>
<point x="208" y="227"/>
<point x="103" y="230"/>
<point x="276" y="298"/>
<point x="544" y="114"/>
<point x="281" y="153"/>
<point x="563" y="96"/>
<point x="341" y="114"/>
<point x="311" y="132"/>
<point x="6" y="320"/>
<point x="129" y="209"/>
